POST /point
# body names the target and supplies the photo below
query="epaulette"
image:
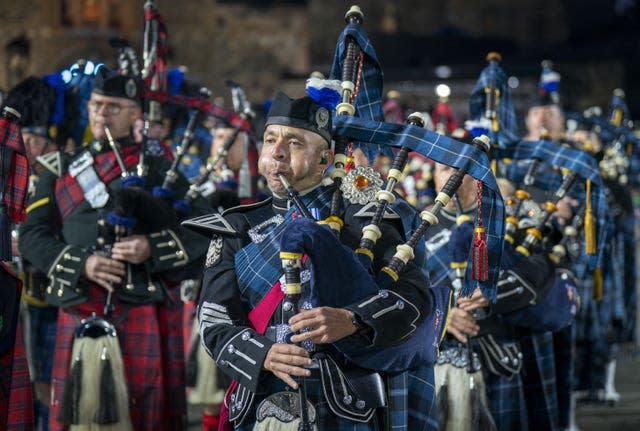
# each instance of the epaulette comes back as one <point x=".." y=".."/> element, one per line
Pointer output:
<point x="248" y="207"/>
<point x="52" y="162"/>
<point x="209" y="223"/>
<point x="369" y="210"/>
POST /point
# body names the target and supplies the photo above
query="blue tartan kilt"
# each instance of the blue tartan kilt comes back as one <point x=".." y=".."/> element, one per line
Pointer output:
<point x="507" y="402"/>
<point x="539" y="379"/>
<point x="42" y="340"/>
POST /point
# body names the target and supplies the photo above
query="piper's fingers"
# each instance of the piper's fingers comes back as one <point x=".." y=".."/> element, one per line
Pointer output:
<point x="286" y="378"/>
<point x="104" y="284"/>
<point x="300" y="324"/>
<point x="287" y="359"/>
<point x="108" y="277"/>
<point x="303" y="316"/>
<point x="459" y="335"/>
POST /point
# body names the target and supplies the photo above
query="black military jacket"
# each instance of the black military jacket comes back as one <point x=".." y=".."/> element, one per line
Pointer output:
<point x="239" y="350"/>
<point x="60" y="246"/>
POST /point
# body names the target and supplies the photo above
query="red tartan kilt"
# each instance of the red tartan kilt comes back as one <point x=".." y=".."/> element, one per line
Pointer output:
<point x="16" y="405"/>
<point x="152" y="348"/>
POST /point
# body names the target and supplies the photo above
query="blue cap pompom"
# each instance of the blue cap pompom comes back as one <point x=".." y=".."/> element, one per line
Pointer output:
<point x="325" y="92"/>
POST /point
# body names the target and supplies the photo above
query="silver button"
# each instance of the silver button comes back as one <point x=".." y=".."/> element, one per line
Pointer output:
<point x="222" y="362"/>
<point x="179" y="253"/>
<point x="360" y="404"/>
<point x="400" y="304"/>
<point x="511" y="279"/>
<point x="172" y="243"/>
<point x="245" y="336"/>
<point x="151" y="288"/>
<point x="67" y="256"/>
<point x="347" y="399"/>
<point x="230" y="348"/>
<point x="383" y="293"/>
<point x="59" y="268"/>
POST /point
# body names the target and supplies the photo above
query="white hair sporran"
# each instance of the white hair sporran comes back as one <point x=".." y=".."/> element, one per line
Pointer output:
<point x="95" y="395"/>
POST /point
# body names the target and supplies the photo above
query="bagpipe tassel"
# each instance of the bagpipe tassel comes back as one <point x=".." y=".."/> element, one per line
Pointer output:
<point x="5" y="234"/>
<point x="70" y="403"/>
<point x="480" y="255"/>
<point x="589" y="224"/>
<point x="597" y="284"/>
<point x="480" y="252"/>
<point x="107" y="412"/>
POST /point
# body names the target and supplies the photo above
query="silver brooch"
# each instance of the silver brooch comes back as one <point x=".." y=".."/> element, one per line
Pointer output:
<point x="360" y="185"/>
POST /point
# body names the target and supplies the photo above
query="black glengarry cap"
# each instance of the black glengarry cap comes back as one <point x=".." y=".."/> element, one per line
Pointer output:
<point x="110" y="83"/>
<point x="303" y="113"/>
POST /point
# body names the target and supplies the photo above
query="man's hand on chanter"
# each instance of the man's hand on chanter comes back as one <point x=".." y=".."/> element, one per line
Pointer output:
<point x="104" y="271"/>
<point x="323" y="325"/>
<point x="133" y="249"/>
<point x="287" y="360"/>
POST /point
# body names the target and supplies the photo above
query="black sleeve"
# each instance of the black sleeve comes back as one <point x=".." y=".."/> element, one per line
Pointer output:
<point x="40" y="242"/>
<point x="238" y="350"/>
<point x="395" y="313"/>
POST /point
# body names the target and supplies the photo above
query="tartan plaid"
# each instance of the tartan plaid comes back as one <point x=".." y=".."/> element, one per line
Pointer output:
<point x="152" y="349"/>
<point x="259" y="264"/>
<point x="506" y="399"/>
<point x="42" y="340"/>
<point x="69" y="194"/>
<point x="411" y="400"/>
<point x="577" y="161"/>
<point x="16" y="401"/>
<point x="452" y="153"/>
<point x="15" y="170"/>
<point x="423" y="414"/>
<point x="539" y="379"/>
<point x="368" y="102"/>
<point x="507" y="134"/>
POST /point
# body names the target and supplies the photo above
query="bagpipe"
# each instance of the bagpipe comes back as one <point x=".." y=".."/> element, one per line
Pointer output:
<point x="205" y="183"/>
<point x="166" y="189"/>
<point x="419" y="347"/>
<point x="531" y="292"/>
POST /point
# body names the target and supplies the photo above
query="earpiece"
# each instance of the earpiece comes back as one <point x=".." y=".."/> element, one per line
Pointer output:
<point x="323" y="159"/>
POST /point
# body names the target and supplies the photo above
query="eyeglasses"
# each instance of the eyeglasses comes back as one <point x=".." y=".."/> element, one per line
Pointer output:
<point x="111" y="107"/>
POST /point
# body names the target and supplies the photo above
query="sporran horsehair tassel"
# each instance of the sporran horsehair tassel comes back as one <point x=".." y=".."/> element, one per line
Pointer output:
<point x="95" y="393"/>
